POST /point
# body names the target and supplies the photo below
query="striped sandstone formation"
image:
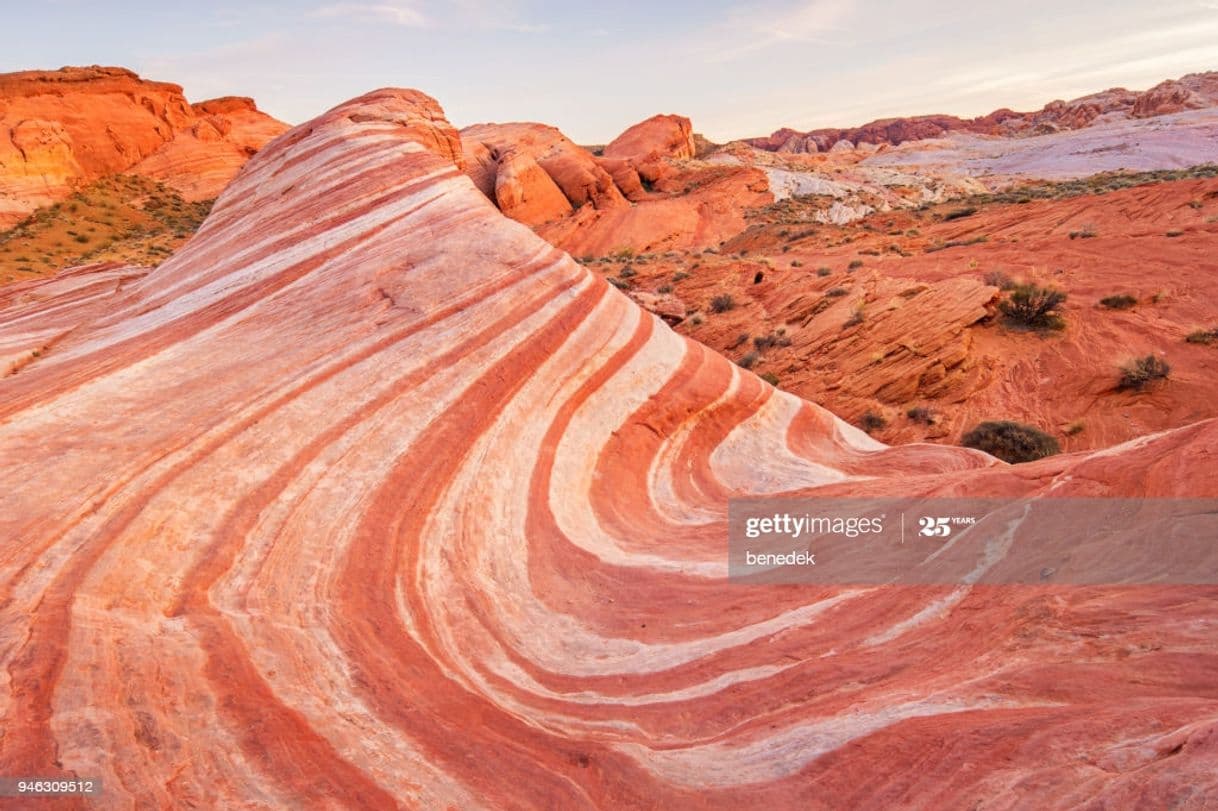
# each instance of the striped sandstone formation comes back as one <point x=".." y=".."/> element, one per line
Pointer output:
<point x="370" y="498"/>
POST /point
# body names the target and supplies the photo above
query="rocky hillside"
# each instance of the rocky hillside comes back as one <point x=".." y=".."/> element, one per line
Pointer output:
<point x="1195" y="91"/>
<point x="61" y="130"/>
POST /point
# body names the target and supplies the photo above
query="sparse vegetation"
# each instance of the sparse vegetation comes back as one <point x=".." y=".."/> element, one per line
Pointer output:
<point x="1141" y="372"/>
<point x="872" y="421"/>
<point x="1203" y="336"/>
<point x="770" y="378"/>
<point x="126" y="218"/>
<point x="1122" y="301"/>
<point x="823" y="271"/>
<point x="996" y="278"/>
<point x="956" y="243"/>
<point x="855" y="264"/>
<point x="749" y="360"/>
<point x="722" y="303"/>
<point x="1011" y="442"/>
<point x="680" y="276"/>
<point x="664" y="289"/>
<point x="1033" y="307"/>
<point x="921" y="414"/>
<point x="1100" y="183"/>
<point x="1086" y="232"/>
<point x="1175" y="233"/>
<point x="777" y="338"/>
<point x="960" y="213"/>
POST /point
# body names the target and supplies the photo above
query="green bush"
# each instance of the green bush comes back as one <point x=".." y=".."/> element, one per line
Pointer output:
<point x="996" y="278"/>
<point x="1203" y="336"/>
<point x="1141" y="372"/>
<point x="959" y="213"/>
<point x="872" y="421"/>
<point x="1011" y="441"/>
<point x="1119" y="302"/>
<point x="1033" y="307"/>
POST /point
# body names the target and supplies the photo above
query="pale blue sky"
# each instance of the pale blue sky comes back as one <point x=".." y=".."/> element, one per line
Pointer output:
<point x="735" y="68"/>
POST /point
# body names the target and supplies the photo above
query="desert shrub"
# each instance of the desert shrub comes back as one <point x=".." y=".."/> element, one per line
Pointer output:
<point x="959" y="213"/>
<point x="836" y="292"/>
<point x="620" y="284"/>
<point x="680" y="276"/>
<point x="764" y="342"/>
<point x="1035" y="307"/>
<point x="857" y="316"/>
<point x="741" y="339"/>
<point x="921" y="414"/>
<point x="628" y="273"/>
<point x="996" y="278"/>
<point x="749" y="360"/>
<point x="722" y="303"/>
<point x="1086" y="232"/>
<point x="1141" y="372"/>
<point x="855" y="264"/>
<point x="823" y="271"/>
<point x="770" y="378"/>
<point x="1122" y="301"/>
<point x="623" y="254"/>
<point x="1175" y="233"/>
<point x="795" y="263"/>
<point x="1203" y="336"/>
<point x="1011" y="441"/>
<point x="872" y="421"/>
<point x="664" y="288"/>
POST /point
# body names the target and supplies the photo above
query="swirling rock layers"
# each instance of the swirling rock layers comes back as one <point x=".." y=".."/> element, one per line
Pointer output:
<point x="370" y="498"/>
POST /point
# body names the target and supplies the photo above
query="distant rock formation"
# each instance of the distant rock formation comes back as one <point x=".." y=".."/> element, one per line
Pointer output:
<point x="63" y="128"/>
<point x="1191" y="92"/>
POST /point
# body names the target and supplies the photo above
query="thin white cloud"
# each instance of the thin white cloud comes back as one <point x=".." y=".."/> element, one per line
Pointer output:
<point x="748" y="29"/>
<point x="396" y="13"/>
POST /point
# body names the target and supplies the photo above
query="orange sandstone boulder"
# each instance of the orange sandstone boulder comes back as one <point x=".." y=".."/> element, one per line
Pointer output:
<point x="569" y="167"/>
<point x="661" y="136"/>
